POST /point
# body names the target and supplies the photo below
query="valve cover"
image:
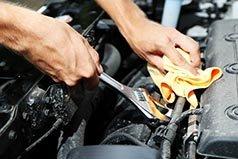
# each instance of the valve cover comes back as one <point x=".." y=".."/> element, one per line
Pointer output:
<point x="218" y="130"/>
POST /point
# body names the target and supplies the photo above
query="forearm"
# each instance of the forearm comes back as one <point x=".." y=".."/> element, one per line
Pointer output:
<point x="52" y="45"/>
<point x="125" y="13"/>
<point x="18" y="26"/>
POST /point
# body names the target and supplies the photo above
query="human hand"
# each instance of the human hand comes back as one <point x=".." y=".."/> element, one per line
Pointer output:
<point x="63" y="54"/>
<point x="51" y="45"/>
<point x="151" y="41"/>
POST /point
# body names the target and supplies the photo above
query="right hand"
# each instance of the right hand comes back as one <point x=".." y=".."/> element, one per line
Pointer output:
<point x="151" y="41"/>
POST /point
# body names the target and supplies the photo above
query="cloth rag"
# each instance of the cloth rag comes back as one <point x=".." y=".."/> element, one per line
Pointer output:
<point x="180" y="81"/>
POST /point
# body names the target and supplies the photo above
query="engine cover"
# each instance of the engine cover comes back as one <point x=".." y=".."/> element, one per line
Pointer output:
<point x="218" y="130"/>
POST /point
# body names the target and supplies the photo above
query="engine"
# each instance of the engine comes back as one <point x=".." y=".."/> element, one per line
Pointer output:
<point x="43" y="119"/>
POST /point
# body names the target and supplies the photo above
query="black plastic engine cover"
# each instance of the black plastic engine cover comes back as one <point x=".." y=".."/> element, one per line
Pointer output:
<point x="218" y="129"/>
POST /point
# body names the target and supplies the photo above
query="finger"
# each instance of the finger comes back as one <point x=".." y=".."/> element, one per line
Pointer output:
<point x="93" y="81"/>
<point x="55" y="79"/>
<point x="95" y="56"/>
<point x="91" y="68"/>
<point x="96" y="60"/>
<point x="156" y="61"/>
<point x="177" y="58"/>
<point x="91" y="78"/>
<point x="69" y="79"/>
<point x="188" y="45"/>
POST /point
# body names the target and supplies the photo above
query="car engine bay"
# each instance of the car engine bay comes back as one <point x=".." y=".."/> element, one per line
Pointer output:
<point x="43" y="119"/>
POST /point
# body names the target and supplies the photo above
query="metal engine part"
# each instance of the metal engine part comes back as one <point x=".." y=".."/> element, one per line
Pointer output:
<point x="218" y="132"/>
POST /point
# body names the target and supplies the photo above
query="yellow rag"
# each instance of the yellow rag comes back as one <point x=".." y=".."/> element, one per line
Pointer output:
<point x="180" y="81"/>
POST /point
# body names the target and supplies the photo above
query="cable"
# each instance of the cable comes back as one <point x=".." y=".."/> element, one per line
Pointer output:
<point x="187" y="113"/>
<point x="54" y="127"/>
<point x="171" y="129"/>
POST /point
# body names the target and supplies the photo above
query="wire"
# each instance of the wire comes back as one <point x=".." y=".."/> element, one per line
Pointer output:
<point x="171" y="129"/>
<point x="187" y="113"/>
<point x="54" y="127"/>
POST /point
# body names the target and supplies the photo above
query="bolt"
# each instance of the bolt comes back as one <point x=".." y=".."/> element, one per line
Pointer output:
<point x="195" y="138"/>
<point x="46" y="112"/>
<point x="12" y="135"/>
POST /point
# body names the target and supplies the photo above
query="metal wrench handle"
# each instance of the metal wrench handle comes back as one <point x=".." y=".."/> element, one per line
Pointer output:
<point x="111" y="82"/>
<point x="128" y="93"/>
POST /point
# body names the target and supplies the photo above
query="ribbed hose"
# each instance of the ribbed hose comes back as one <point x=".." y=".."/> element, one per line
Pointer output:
<point x="171" y="129"/>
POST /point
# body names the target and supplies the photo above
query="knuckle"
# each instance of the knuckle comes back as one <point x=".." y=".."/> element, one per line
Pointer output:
<point x="164" y="44"/>
<point x="89" y="73"/>
<point x="70" y="79"/>
<point x="70" y="82"/>
<point x="75" y="78"/>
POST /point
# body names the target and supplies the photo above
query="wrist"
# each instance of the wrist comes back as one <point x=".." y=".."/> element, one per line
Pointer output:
<point x="129" y="27"/>
<point x="10" y="30"/>
<point x="20" y="28"/>
<point x="125" y="13"/>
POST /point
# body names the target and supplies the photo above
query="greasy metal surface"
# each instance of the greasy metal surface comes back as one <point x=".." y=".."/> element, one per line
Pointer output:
<point x="218" y="127"/>
<point x="33" y="4"/>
